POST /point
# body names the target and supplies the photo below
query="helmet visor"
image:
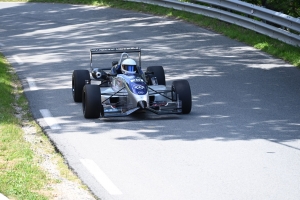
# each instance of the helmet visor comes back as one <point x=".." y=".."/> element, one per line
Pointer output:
<point x="130" y="68"/>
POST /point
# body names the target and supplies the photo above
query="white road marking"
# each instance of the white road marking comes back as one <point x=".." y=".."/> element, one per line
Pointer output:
<point x="18" y="60"/>
<point x="31" y="83"/>
<point x="2" y="197"/>
<point x="100" y="176"/>
<point x="51" y="121"/>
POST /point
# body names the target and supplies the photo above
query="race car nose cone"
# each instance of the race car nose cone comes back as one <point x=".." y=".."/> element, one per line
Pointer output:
<point x="142" y="104"/>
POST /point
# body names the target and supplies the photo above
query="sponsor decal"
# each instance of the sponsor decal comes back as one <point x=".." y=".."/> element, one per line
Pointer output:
<point x="138" y="87"/>
<point x="136" y="80"/>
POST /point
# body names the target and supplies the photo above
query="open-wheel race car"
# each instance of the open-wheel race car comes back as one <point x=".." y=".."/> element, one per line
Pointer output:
<point x="124" y="88"/>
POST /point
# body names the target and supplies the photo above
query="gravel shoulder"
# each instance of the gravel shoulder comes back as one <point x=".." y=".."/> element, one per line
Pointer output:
<point x="65" y="184"/>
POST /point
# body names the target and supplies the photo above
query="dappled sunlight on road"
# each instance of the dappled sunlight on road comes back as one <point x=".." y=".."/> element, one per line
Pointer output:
<point x="241" y="137"/>
<point x="234" y="96"/>
<point x="268" y="66"/>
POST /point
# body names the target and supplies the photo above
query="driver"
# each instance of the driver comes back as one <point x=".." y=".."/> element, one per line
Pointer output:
<point x="128" y="66"/>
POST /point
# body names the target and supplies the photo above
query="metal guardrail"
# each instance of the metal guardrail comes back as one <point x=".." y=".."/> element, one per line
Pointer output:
<point x="254" y="17"/>
<point x="257" y="11"/>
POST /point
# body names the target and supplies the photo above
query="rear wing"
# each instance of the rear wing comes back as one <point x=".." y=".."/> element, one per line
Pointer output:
<point x="113" y="51"/>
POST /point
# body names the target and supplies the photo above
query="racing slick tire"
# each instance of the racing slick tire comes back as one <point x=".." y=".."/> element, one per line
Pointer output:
<point x="182" y="88"/>
<point x="91" y="101"/>
<point x="159" y="73"/>
<point x="79" y="78"/>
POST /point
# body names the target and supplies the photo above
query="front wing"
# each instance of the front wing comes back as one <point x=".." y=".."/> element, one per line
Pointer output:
<point x="161" y="102"/>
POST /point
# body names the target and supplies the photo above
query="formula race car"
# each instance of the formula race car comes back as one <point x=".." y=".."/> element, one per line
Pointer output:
<point x="124" y="88"/>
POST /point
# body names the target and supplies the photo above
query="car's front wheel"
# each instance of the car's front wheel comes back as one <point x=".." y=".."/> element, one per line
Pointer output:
<point x="182" y="90"/>
<point x="158" y="72"/>
<point x="91" y="101"/>
<point x="79" y="78"/>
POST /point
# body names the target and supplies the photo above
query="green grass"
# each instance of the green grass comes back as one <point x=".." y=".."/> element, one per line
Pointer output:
<point x="20" y="176"/>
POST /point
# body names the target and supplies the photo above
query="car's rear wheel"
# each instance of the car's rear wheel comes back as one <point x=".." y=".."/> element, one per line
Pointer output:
<point x="181" y="88"/>
<point x="159" y="73"/>
<point x="79" y="78"/>
<point x="91" y="101"/>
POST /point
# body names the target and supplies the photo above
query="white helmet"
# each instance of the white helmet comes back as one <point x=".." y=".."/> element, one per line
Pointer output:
<point x="128" y="66"/>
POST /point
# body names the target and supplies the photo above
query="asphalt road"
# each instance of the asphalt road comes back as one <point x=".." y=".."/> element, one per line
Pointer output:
<point x="241" y="140"/>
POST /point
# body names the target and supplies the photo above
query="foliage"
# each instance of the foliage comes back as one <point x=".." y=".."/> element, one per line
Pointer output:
<point x="289" y="7"/>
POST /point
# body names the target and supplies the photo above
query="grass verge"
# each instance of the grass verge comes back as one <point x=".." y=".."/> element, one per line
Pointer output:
<point x="20" y="177"/>
<point x="30" y="168"/>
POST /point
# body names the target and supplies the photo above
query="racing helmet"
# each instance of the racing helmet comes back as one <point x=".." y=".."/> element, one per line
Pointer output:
<point x="128" y="66"/>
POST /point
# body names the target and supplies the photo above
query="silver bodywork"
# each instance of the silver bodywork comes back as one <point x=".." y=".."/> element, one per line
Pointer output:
<point x="119" y="100"/>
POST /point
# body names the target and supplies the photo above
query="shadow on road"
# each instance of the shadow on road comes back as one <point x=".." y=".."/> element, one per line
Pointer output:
<point x="239" y="93"/>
